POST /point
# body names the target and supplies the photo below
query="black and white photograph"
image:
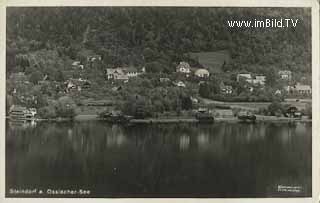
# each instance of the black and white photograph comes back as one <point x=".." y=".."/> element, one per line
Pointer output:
<point x="158" y="102"/>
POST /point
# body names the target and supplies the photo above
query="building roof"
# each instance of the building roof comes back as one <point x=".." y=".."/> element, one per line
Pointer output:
<point x="114" y="71"/>
<point x="17" y="108"/>
<point x="260" y="77"/>
<point x="122" y="77"/>
<point x="76" y="63"/>
<point x="284" y="72"/>
<point x="130" y="70"/>
<point x="183" y="64"/>
<point x="247" y="75"/>
<point x="201" y="71"/>
<point x="303" y="87"/>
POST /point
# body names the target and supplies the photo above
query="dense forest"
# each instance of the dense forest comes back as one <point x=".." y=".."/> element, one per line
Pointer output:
<point x="162" y="35"/>
<point x="157" y="38"/>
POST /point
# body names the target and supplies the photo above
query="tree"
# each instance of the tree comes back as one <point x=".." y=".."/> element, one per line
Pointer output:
<point x="204" y="90"/>
<point x="59" y="77"/>
<point x="9" y="102"/>
<point x="155" y="67"/>
<point x="66" y="107"/>
<point x="275" y="108"/>
<point x="48" y="112"/>
<point x="186" y="103"/>
<point x="35" y="77"/>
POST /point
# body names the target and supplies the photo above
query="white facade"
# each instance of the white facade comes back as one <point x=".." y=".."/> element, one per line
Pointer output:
<point x="202" y="73"/>
<point x="183" y="67"/>
<point x="246" y="76"/>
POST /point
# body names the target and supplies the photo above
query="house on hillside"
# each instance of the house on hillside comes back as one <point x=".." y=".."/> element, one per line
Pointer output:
<point x="77" y="65"/>
<point x="245" y="76"/>
<point x="122" y="73"/>
<point x="194" y="100"/>
<point x="164" y="80"/>
<point x="130" y="72"/>
<point x="259" y="79"/>
<point x="303" y="89"/>
<point x="285" y="74"/>
<point x="299" y="89"/>
<point x="69" y="85"/>
<point x="94" y="57"/>
<point x="143" y="69"/>
<point x="116" y="74"/>
<point x="183" y="67"/>
<point x="202" y="73"/>
<point x="180" y="84"/>
<point x="86" y="84"/>
<point x="278" y="92"/>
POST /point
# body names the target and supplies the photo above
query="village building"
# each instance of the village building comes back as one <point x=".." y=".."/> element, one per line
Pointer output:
<point x="202" y="73"/>
<point x="116" y="74"/>
<point x="303" y="89"/>
<point x="299" y="89"/>
<point x="75" y="64"/>
<point x="246" y="76"/>
<point x="225" y="89"/>
<point x="285" y="74"/>
<point x="194" y="100"/>
<point x="183" y="67"/>
<point x="130" y="72"/>
<point x="122" y="73"/>
<point x="180" y="84"/>
<point x="278" y="92"/>
<point x="86" y="84"/>
<point x="93" y="58"/>
<point x="115" y="89"/>
<point x="259" y="79"/>
<point x="163" y="80"/>
<point x="143" y="69"/>
<point x="75" y="84"/>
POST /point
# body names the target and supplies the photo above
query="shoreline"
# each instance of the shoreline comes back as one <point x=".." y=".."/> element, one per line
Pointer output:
<point x="260" y="119"/>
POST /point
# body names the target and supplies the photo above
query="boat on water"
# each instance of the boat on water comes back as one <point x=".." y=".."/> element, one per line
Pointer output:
<point x="21" y="114"/>
<point x="246" y="116"/>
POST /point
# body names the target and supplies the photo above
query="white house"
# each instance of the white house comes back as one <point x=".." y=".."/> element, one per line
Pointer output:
<point x="278" y="92"/>
<point x="285" y="74"/>
<point x="202" y="73"/>
<point x="183" y="67"/>
<point x="116" y="74"/>
<point x="162" y="80"/>
<point x="180" y="84"/>
<point x="259" y="79"/>
<point x="299" y="88"/>
<point x="122" y="73"/>
<point x="246" y="76"/>
<point x="226" y="89"/>
<point x="303" y="89"/>
<point x="130" y="72"/>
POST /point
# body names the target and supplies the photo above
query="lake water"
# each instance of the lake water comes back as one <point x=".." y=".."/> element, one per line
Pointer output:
<point x="176" y="160"/>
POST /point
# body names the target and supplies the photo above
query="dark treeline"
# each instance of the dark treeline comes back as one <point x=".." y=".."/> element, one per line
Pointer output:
<point x="130" y="35"/>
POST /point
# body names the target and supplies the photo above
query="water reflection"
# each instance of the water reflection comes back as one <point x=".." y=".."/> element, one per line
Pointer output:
<point x="184" y="142"/>
<point x="219" y="160"/>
